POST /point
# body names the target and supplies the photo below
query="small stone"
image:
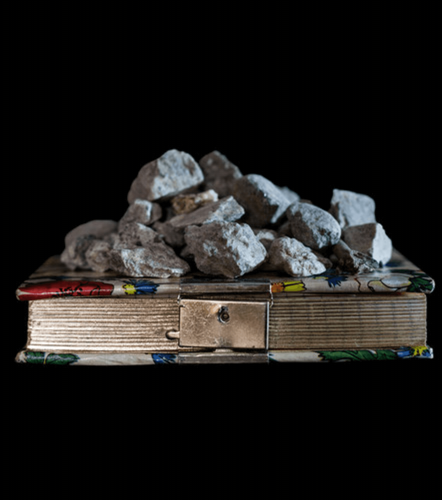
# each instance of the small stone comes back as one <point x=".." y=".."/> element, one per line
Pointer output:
<point x="227" y="209"/>
<point x="142" y="211"/>
<point x="228" y="249"/>
<point x="219" y="173"/>
<point x="114" y="240"/>
<point x="313" y="226"/>
<point x="74" y="254"/>
<point x="284" y="229"/>
<point x="369" y="239"/>
<point x="186" y="203"/>
<point x="353" y="261"/>
<point x="172" y="236"/>
<point x="352" y="209"/>
<point x="156" y="261"/>
<point x="78" y="240"/>
<point x="97" y="256"/>
<point x="168" y="176"/>
<point x="97" y="228"/>
<point x="266" y="236"/>
<point x="292" y="257"/>
<point x="186" y="254"/>
<point x="290" y="195"/>
<point x="263" y="201"/>
<point x="135" y="234"/>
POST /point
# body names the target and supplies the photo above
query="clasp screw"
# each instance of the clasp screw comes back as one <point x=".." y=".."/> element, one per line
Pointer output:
<point x="223" y="314"/>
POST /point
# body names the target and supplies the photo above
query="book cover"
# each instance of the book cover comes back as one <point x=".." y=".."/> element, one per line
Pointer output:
<point x="326" y="295"/>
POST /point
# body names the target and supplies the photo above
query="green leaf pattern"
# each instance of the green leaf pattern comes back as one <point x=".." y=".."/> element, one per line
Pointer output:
<point x="42" y="358"/>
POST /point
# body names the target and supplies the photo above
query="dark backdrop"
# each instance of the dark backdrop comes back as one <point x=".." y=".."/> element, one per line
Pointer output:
<point x="316" y="101"/>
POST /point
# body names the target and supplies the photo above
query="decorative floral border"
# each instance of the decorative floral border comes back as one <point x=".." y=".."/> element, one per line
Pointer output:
<point x="53" y="279"/>
<point x="43" y="358"/>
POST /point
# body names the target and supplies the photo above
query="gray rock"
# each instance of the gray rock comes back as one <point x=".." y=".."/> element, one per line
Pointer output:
<point x="223" y="248"/>
<point x="142" y="211"/>
<point x="313" y="226"/>
<point x="172" y="236"/>
<point x="353" y="261"/>
<point x="135" y="234"/>
<point x="290" y="195"/>
<point x="292" y="257"/>
<point x="219" y="173"/>
<point x="263" y="201"/>
<point x="156" y="261"/>
<point x="137" y="191"/>
<point x="266" y="236"/>
<point x="186" y="203"/>
<point x="74" y="254"/>
<point x="97" y="228"/>
<point x="80" y="238"/>
<point x="369" y="239"/>
<point x="352" y="209"/>
<point x="168" y="176"/>
<point x="97" y="256"/>
<point x="227" y="209"/>
<point x="284" y="229"/>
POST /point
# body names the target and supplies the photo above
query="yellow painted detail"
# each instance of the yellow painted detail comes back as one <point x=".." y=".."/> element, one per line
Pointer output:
<point x="130" y="289"/>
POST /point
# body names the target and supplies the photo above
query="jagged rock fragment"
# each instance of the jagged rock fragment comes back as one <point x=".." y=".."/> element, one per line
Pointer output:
<point x="156" y="261"/>
<point x="172" y="236"/>
<point x="142" y="211"/>
<point x="313" y="226"/>
<point x="186" y="203"/>
<point x="168" y="176"/>
<point x="292" y="257"/>
<point x="74" y="255"/>
<point x="97" y="255"/>
<point x="353" y="261"/>
<point x="135" y="234"/>
<point x="370" y="239"/>
<point x="352" y="209"/>
<point x="263" y="201"/>
<point x="266" y="236"/>
<point x="223" y="248"/>
<point x="226" y="209"/>
<point x="219" y="173"/>
<point x="284" y="229"/>
<point x="98" y="228"/>
<point x="290" y="195"/>
<point x="77" y="241"/>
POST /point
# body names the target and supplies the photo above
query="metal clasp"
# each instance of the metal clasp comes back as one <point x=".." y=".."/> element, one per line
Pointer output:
<point x="223" y="324"/>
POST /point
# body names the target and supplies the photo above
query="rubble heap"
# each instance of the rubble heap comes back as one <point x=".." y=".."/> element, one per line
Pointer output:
<point x="209" y="217"/>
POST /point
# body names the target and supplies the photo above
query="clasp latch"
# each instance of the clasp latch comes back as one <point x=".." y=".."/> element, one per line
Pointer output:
<point x="223" y="324"/>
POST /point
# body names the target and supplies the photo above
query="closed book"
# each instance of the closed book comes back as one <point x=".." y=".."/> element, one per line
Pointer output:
<point x="84" y="317"/>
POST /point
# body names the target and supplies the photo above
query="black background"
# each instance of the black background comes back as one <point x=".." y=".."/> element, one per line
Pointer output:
<point x="314" y="101"/>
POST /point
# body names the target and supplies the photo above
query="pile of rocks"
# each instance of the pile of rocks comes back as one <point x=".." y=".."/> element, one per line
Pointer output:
<point x="209" y="217"/>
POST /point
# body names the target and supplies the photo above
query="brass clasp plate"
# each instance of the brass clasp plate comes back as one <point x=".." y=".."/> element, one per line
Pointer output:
<point x="223" y="324"/>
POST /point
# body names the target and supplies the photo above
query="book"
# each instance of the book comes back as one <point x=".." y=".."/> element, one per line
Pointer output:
<point x="84" y="317"/>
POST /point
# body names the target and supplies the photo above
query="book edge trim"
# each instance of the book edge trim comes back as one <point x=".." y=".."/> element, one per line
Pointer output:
<point x="96" y="359"/>
<point x="401" y="276"/>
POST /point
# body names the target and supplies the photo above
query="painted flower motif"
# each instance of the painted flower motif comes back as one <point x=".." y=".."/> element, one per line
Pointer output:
<point x="358" y="355"/>
<point x="44" y="358"/>
<point x="418" y="281"/>
<point x="332" y="277"/>
<point x="48" y="289"/>
<point x="420" y="351"/>
<point x="403" y="280"/>
<point x="139" y="287"/>
<point x="288" y="286"/>
<point x="162" y="359"/>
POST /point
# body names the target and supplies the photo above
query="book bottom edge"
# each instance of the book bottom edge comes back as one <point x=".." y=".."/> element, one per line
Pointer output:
<point x="223" y="357"/>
